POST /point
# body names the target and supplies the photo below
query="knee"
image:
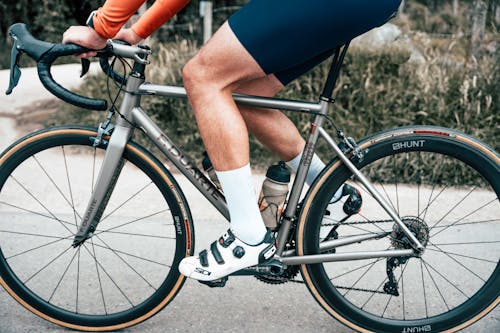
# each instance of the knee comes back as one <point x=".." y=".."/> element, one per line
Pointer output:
<point x="195" y="73"/>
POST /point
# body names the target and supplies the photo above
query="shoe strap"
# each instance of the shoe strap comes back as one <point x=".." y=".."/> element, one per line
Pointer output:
<point x="203" y="258"/>
<point x="216" y="253"/>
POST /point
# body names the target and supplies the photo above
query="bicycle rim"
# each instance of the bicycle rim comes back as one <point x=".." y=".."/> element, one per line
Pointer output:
<point x="447" y="193"/>
<point x="122" y="275"/>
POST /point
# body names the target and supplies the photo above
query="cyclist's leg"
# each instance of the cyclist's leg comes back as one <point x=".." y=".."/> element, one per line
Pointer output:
<point x="245" y="52"/>
<point x="210" y="79"/>
<point x="275" y="130"/>
<point x="271" y="127"/>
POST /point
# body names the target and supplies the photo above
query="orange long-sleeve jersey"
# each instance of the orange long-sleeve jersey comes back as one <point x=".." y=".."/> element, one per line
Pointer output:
<point x="112" y="16"/>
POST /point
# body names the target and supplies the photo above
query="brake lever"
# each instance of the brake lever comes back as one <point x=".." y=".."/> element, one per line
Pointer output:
<point x="85" y="67"/>
<point x="15" y="71"/>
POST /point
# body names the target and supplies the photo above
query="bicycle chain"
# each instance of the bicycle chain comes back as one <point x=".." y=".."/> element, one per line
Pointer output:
<point x="285" y="280"/>
<point x="358" y="222"/>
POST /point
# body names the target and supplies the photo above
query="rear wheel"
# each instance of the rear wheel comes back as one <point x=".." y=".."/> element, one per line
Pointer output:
<point x="445" y="186"/>
<point x="121" y="276"/>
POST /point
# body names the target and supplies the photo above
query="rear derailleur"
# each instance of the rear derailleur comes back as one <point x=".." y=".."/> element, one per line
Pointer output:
<point x="391" y="286"/>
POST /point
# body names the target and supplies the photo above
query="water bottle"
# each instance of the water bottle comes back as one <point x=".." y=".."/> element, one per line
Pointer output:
<point x="273" y="194"/>
<point x="209" y="169"/>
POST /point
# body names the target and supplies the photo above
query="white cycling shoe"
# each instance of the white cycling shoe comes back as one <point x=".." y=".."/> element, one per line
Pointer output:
<point x="227" y="255"/>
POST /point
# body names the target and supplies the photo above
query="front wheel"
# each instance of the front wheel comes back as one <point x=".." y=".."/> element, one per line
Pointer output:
<point x="127" y="271"/>
<point x="445" y="186"/>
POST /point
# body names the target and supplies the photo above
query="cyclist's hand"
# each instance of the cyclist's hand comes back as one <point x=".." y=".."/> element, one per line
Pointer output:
<point x="129" y="36"/>
<point x="86" y="37"/>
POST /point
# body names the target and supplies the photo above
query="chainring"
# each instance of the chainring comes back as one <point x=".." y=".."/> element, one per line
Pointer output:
<point x="288" y="274"/>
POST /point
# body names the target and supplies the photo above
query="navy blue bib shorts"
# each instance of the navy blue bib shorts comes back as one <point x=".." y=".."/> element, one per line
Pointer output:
<point x="289" y="37"/>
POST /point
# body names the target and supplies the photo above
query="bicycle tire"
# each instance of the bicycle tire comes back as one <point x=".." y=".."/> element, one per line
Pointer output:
<point x="120" y="277"/>
<point x="353" y="292"/>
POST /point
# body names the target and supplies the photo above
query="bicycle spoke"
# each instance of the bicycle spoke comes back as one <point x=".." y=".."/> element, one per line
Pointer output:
<point x="467" y="223"/>
<point x="441" y="275"/>
<point x="464" y="217"/>
<point x="423" y="288"/>
<point x="456" y="205"/>
<point x="458" y="262"/>
<point x="374" y="293"/>
<point x="126" y="263"/>
<point x="140" y="235"/>
<point x="77" y="280"/>
<point x="98" y="276"/>
<point x="133" y="221"/>
<point x="137" y="257"/>
<point x="428" y="202"/>
<point x="41" y="204"/>
<point x="418" y="198"/>
<point x="69" y="186"/>
<point x="362" y="275"/>
<point x="355" y="269"/>
<point x="55" y="185"/>
<point x="62" y="277"/>
<point x="46" y="265"/>
<point x="435" y="284"/>
<point x="466" y="243"/>
<point x="30" y="234"/>
<point x="110" y="278"/>
<point x="463" y="255"/>
<point x="433" y="200"/>
<point x="37" y="247"/>
<point x="123" y="203"/>
<point x="403" y="293"/>
<point x="36" y="213"/>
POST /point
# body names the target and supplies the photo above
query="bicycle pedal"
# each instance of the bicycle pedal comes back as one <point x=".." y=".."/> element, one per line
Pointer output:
<point x="219" y="283"/>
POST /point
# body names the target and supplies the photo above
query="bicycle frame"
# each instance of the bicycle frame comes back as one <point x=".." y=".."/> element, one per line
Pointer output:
<point x="136" y="117"/>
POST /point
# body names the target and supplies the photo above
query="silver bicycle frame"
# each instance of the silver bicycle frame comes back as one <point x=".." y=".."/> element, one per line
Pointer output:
<point x="136" y="117"/>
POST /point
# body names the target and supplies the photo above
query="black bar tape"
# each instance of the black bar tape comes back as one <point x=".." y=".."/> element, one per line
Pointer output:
<point x="55" y="88"/>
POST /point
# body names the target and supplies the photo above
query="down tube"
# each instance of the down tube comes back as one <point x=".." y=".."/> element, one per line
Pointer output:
<point x="181" y="161"/>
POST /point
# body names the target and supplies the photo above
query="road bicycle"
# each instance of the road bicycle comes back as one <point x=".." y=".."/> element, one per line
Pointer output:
<point x="94" y="226"/>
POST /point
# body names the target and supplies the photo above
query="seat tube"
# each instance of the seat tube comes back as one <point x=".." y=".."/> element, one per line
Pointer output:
<point x="300" y="177"/>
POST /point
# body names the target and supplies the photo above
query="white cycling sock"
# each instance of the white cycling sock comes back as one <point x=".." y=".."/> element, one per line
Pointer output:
<point x="314" y="170"/>
<point x="246" y="221"/>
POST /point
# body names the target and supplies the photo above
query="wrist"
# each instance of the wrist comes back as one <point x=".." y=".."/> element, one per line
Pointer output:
<point x="91" y="25"/>
<point x="134" y="36"/>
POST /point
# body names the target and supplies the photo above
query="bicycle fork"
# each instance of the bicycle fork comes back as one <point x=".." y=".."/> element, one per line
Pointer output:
<point x="111" y="166"/>
<point x="106" y="181"/>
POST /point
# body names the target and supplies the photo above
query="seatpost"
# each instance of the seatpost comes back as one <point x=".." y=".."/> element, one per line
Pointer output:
<point x="333" y="74"/>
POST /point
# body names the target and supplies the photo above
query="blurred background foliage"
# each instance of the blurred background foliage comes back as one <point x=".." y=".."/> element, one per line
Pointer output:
<point x="378" y="89"/>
